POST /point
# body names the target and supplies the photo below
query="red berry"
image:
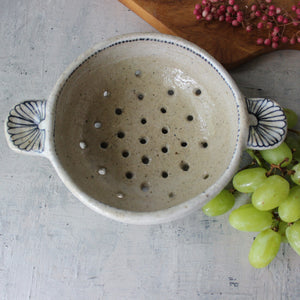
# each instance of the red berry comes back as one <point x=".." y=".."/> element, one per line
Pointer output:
<point x="285" y="20"/>
<point x="260" y="25"/>
<point x="268" y="1"/>
<point x="284" y="39"/>
<point x="236" y="7"/>
<point x="293" y="41"/>
<point x="267" y="42"/>
<point x="248" y="28"/>
<point x="204" y="14"/>
<point x="264" y="18"/>
<point x="235" y="23"/>
<point x="222" y="7"/>
<point x="221" y="18"/>
<point x="298" y="11"/>
<point x="258" y="13"/>
<point x="274" y="45"/>
<point x="229" y="9"/>
<point x="294" y="7"/>
<point x="278" y="10"/>
<point x="259" y="41"/>
<point x="198" y="6"/>
<point x="228" y="19"/>
<point x="239" y="19"/>
<point x="272" y="7"/>
<point x="298" y="39"/>
<point x="275" y="38"/>
<point x="230" y="2"/>
<point x="280" y="19"/>
<point x="271" y="13"/>
<point x="253" y="7"/>
<point x="209" y="17"/>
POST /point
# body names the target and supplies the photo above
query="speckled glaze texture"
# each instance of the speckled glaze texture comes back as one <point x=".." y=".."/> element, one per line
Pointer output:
<point x="146" y="128"/>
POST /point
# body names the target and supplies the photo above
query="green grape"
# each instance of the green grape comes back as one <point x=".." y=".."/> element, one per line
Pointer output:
<point x="293" y="141"/>
<point x="293" y="236"/>
<point x="277" y="155"/>
<point x="281" y="230"/>
<point x="289" y="210"/>
<point x="291" y="117"/>
<point x="264" y="248"/>
<point x="296" y="176"/>
<point x="248" y="218"/>
<point x="248" y="180"/>
<point x="271" y="193"/>
<point x="219" y="205"/>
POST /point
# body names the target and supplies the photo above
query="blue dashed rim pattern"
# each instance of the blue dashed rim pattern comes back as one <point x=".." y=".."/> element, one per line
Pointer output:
<point x="173" y="43"/>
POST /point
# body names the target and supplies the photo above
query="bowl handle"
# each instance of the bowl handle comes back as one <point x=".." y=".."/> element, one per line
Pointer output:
<point x="25" y="127"/>
<point x="267" y="124"/>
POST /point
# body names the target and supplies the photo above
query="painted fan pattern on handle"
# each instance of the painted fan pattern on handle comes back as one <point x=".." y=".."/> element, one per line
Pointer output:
<point x="271" y="126"/>
<point x="23" y="125"/>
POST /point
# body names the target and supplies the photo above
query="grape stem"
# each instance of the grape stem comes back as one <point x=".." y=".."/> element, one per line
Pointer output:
<point x="294" y="130"/>
<point x="283" y="170"/>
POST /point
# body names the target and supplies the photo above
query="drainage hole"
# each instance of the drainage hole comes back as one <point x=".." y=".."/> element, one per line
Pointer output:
<point x="164" y="149"/>
<point x="164" y="130"/>
<point x="121" y="134"/>
<point x="197" y="92"/>
<point x="171" y="195"/>
<point x="164" y="174"/>
<point x="118" y="111"/>
<point x="143" y="121"/>
<point x="204" y="144"/>
<point x="104" y="145"/>
<point x="170" y="92"/>
<point x="125" y="153"/>
<point x="97" y="125"/>
<point x="183" y="144"/>
<point x="145" y="187"/>
<point x="140" y="96"/>
<point x="184" y="166"/>
<point x="143" y="140"/>
<point x="163" y="110"/>
<point x="145" y="160"/>
<point x="205" y="176"/>
<point x="190" y="118"/>
<point x="129" y="175"/>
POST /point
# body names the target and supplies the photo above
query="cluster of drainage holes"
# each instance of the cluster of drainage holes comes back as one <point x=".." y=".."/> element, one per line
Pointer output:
<point x="145" y="160"/>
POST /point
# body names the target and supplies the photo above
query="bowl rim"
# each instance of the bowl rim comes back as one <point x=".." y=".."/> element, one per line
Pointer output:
<point x="174" y="212"/>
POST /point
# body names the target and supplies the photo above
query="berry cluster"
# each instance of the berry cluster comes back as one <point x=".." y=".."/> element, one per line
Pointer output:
<point x="261" y="15"/>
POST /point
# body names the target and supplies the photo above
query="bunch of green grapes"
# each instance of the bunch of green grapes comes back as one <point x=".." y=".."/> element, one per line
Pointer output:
<point x="273" y="184"/>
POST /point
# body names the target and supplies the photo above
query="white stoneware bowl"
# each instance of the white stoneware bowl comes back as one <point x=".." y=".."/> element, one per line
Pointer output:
<point x="145" y="128"/>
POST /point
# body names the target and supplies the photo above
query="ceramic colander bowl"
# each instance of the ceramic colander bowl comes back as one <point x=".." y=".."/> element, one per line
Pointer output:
<point x="145" y="128"/>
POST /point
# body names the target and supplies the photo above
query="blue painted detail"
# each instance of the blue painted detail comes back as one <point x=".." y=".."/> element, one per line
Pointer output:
<point x="23" y="125"/>
<point x="271" y="123"/>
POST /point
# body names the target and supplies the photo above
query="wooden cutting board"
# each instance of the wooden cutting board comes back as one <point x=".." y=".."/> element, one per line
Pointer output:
<point x="230" y="45"/>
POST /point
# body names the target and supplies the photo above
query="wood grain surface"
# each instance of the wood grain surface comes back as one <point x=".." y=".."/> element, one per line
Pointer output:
<point x="230" y="45"/>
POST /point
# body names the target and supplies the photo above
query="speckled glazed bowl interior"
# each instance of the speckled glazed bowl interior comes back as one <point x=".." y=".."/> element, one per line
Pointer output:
<point x="147" y="125"/>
